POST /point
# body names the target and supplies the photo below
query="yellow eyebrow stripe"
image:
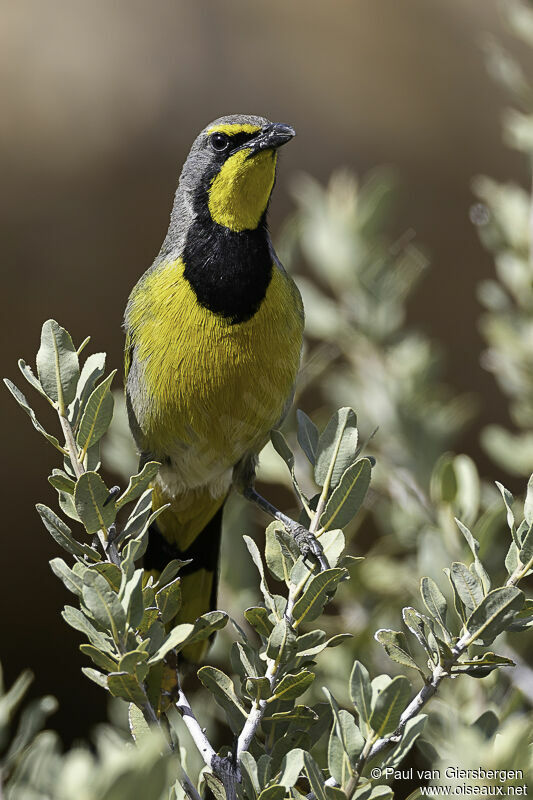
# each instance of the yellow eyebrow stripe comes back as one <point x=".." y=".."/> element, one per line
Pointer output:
<point x="233" y="128"/>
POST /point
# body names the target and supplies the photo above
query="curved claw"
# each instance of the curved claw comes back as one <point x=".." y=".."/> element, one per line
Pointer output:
<point x="309" y="545"/>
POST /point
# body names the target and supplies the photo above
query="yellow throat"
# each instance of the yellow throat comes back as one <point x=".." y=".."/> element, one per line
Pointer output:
<point x="239" y="193"/>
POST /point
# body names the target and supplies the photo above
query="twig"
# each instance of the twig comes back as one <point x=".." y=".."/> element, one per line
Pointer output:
<point x="256" y="713"/>
<point x="193" y="726"/>
<point x="77" y="466"/>
<point x="71" y="446"/>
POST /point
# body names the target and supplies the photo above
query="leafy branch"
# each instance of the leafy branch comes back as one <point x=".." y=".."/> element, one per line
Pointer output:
<point x="126" y="614"/>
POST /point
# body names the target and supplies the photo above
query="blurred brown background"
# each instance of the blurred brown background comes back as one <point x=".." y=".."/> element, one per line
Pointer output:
<point x="100" y="104"/>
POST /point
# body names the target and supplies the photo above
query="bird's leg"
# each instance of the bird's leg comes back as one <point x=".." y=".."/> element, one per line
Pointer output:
<point x="307" y="542"/>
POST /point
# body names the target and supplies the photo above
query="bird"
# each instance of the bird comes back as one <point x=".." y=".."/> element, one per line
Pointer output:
<point x="214" y="332"/>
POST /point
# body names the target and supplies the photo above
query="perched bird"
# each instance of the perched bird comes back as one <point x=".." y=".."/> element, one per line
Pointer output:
<point x="214" y="334"/>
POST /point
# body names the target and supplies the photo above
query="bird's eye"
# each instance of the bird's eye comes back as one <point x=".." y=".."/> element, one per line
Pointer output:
<point x="219" y="142"/>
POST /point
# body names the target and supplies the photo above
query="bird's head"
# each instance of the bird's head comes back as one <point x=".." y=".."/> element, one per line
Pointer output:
<point x="231" y="168"/>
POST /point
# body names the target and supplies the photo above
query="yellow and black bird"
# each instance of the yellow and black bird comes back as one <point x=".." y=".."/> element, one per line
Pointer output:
<point x="214" y="336"/>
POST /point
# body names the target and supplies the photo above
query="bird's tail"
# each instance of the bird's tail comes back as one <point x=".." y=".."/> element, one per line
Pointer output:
<point x="190" y="529"/>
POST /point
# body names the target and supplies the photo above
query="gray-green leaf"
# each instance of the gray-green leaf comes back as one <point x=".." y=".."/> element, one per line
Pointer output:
<point x="57" y="364"/>
<point x="97" y="414"/>
<point x="348" y="496"/>
<point x="389" y="705"/>
<point x="337" y="447"/>
<point x="494" y="614"/>
<point x="90" y="498"/>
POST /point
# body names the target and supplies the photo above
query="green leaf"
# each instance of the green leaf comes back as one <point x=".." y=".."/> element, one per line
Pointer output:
<point x="122" y="684"/>
<point x="435" y="602"/>
<point x="244" y="660"/>
<point x="215" y="786"/>
<point x="508" y="500"/>
<point x="130" y="661"/>
<point x="132" y="599"/>
<point x="292" y="686"/>
<point x="31" y="721"/>
<point x="139" y="728"/>
<point x="10" y="701"/>
<point x="249" y="775"/>
<point x="96" y="676"/>
<point x="174" y="641"/>
<point x="170" y="572"/>
<point x="494" y="614"/>
<point x="111" y="573"/>
<point x="273" y="792"/>
<point x="337" y="447"/>
<point x="482" y="665"/>
<point x="258" y="688"/>
<point x="281" y="551"/>
<point x="291" y="767"/>
<point x="168" y="600"/>
<point x="31" y="378"/>
<point x="310" y="604"/>
<point x="282" y="448"/>
<point x="62" y="534"/>
<point x="256" y="558"/>
<point x="417" y="624"/>
<point x="91" y="372"/>
<point x="104" y="604"/>
<point x="410" y="734"/>
<point x="346" y="730"/>
<point x="528" y="504"/>
<point x="314" y="642"/>
<point x="257" y="617"/>
<point x="139" y="483"/>
<point x="307" y="436"/>
<point x="90" y="497"/>
<point x="338" y="762"/>
<point x="57" y="365"/>
<point x="314" y="776"/>
<point x="348" y="497"/>
<point x="301" y="717"/>
<point x="206" y="625"/>
<point x="77" y="620"/>
<point x="61" y="481"/>
<point x="389" y="706"/>
<point x="97" y="414"/>
<point x="333" y="544"/>
<point x="73" y="582"/>
<point x="467" y="585"/>
<point x="334" y="793"/>
<point x="512" y="558"/>
<point x="281" y="644"/>
<point x="479" y="570"/>
<point x="221" y="686"/>
<point x="526" y="550"/>
<point x="100" y="659"/>
<point x="23" y="403"/>
<point x="361" y="692"/>
<point x="392" y="642"/>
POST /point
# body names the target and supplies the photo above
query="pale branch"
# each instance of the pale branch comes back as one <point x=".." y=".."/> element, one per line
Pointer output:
<point x="71" y="446"/>
<point x="195" y="729"/>
<point x="256" y="713"/>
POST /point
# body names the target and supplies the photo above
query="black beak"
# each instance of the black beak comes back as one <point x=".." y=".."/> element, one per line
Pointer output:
<point x="270" y="137"/>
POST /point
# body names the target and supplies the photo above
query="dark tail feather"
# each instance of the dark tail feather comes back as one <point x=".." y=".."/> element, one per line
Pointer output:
<point x="199" y="579"/>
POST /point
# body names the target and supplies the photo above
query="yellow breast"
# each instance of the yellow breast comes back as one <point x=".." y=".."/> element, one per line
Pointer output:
<point x="208" y="386"/>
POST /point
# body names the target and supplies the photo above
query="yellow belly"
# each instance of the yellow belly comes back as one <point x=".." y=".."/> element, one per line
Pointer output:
<point x="209" y="391"/>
